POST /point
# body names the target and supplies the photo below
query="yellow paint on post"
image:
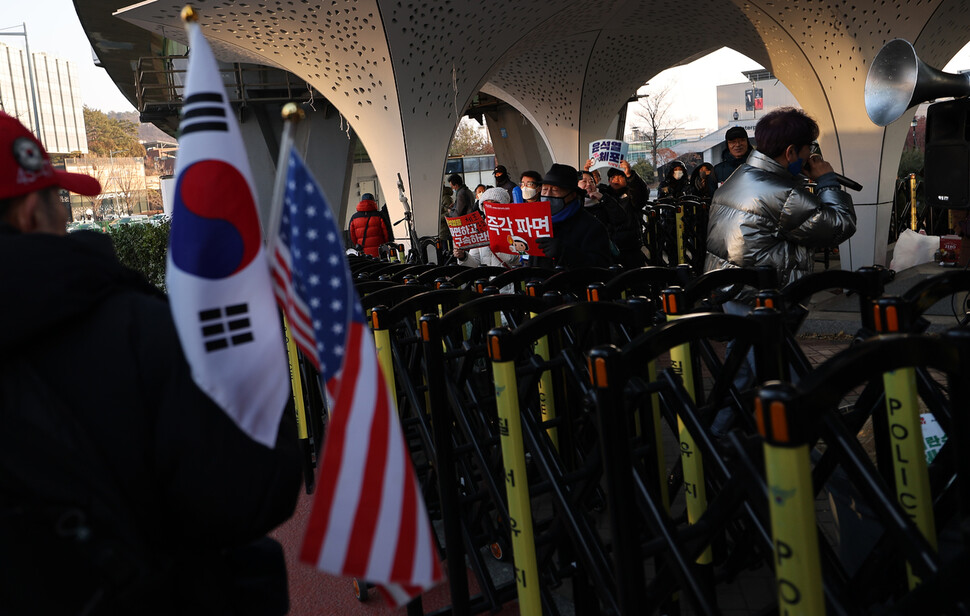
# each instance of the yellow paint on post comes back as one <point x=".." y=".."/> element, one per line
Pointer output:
<point x="296" y="381"/>
<point x="909" y="458"/>
<point x="791" y="502"/>
<point x="382" y="340"/>
<point x="526" y="569"/>
<point x="695" y="491"/>
<point x="547" y="399"/>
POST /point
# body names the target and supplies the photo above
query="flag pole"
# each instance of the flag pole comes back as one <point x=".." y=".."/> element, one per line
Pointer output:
<point x="292" y="114"/>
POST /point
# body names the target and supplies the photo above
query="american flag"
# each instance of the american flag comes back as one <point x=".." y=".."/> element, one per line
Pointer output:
<point x="368" y="518"/>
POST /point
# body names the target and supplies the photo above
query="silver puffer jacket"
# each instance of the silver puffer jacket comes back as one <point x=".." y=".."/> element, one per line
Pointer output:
<point x="763" y="216"/>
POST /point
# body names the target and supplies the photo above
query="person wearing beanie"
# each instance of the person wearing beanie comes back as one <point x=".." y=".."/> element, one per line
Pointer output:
<point x="444" y="233"/>
<point x="128" y="489"/>
<point x="475" y="257"/>
<point x="631" y="193"/>
<point x="503" y="181"/>
<point x="736" y="150"/>
<point x="367" y="229"/>
<point x="578" y="239"/>
<point x="604" y="208"/>
<point x="675" y="182"/>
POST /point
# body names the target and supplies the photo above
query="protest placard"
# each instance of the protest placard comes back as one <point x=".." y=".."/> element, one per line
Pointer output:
<point x="514" y="227"/>
<point x="468" y="231"/>
<point x="608" y="153"/>
<point x="933" y="436"/>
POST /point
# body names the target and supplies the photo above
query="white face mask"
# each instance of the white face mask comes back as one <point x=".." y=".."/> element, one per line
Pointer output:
<point x="678" y="174"/>
<point x="528" y="193"/>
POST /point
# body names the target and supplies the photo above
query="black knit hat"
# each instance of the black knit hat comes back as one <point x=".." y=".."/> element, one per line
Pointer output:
<point x="614" y="171"/>
<point x="562" y="176"/>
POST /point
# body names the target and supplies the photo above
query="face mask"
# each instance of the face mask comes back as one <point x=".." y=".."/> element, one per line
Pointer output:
<point x="796" y="167"/>
<point x="556" y="204"/>
<point x="499" y="179"/>
<point x="678" y="174"/>
<point x="528" y="193"/>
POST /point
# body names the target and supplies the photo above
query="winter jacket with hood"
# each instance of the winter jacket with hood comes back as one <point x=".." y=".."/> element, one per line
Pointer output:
<point x="764" y="216"/>
<point x="671" y="187"/>
<point x="89" y="356"/>
<point x="368" y="229"/>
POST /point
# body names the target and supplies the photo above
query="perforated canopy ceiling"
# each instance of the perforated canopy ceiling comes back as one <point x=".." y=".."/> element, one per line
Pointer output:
<point x="402" y="72"/>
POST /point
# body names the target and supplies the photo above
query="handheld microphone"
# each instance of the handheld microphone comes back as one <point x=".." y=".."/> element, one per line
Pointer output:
<point x="841" y="179"/>
<point x="848" y="182"/>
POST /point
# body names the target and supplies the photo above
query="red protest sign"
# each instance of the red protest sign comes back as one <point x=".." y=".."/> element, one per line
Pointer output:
<point x="468" y="231"/>
<point x="514" y="227"/>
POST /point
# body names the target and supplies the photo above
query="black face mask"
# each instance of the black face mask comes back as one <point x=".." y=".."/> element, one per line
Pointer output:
<point x="556" y="204"/>
<point x="499" y="179"/>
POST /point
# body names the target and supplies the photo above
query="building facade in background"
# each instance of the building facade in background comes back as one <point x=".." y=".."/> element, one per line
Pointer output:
<point x="58" y="98"/>
<point x="124" y="188"/>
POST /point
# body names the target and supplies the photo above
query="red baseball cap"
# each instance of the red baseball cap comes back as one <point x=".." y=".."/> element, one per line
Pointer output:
<point x="25" y="166"/>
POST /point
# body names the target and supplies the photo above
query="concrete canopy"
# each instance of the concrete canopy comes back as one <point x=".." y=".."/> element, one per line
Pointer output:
<point x="403" y="72"/>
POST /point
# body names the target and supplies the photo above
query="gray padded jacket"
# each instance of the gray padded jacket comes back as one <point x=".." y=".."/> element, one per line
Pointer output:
<point x="763" y="216"/>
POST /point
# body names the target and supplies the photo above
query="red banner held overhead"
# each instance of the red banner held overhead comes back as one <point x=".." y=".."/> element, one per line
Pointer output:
<point x="513" y="228"/>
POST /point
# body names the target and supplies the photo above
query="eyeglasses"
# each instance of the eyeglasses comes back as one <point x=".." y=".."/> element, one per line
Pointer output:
<point x="525" y="184"/>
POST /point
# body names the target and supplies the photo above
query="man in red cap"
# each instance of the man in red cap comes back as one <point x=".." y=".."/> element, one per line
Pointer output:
<point x="121" y="482"/>
<point x="29" y="183"/>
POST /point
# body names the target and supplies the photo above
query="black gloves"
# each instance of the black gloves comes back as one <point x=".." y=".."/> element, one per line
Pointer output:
<point x="552" y="246"/>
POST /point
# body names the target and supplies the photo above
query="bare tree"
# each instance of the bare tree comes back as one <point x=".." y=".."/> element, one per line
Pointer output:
<point x="470" y="139"/>
<point x="99" y="169"/>
<point x="129" y="181"/>
<point x="657" y="112"/>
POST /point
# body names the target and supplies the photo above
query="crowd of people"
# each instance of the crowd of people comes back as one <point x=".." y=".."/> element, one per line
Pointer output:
<point x="597" y="223"/>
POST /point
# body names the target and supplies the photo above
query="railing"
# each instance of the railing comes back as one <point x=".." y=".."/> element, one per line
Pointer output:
<point x="160" y="80"/>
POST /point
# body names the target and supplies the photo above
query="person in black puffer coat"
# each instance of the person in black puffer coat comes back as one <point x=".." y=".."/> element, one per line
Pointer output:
<point x="630" y="192"/>
<point x="124" y="489"/>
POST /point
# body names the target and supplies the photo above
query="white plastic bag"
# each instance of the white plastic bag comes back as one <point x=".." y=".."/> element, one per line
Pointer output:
<point x="913" y="248"/>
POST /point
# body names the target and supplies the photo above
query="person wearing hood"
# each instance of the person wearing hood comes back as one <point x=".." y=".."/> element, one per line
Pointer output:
<point x="578" y="239"/>
<point x="475" y="257"/>
<point x="502" y="180"/>
<point x="702" y="182"/>
<point x="736" y="151"/>
<point x="630" y="192"/>
<point x="675" y="183"/>
<point x="367" y="227"/>
<point x="120" y="480"/>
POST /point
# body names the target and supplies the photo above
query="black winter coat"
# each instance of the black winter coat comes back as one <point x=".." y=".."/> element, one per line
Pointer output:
<point x="90" y="349"/>
<point x="632" y="200"/>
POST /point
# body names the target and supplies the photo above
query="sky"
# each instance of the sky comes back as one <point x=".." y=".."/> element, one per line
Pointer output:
<point x="53" y="27"/>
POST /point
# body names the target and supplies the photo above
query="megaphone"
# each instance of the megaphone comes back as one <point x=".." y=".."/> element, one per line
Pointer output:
<point x="898" y="80"/>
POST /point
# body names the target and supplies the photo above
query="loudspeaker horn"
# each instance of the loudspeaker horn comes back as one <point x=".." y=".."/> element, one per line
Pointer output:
<point x="898" y="80"/>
